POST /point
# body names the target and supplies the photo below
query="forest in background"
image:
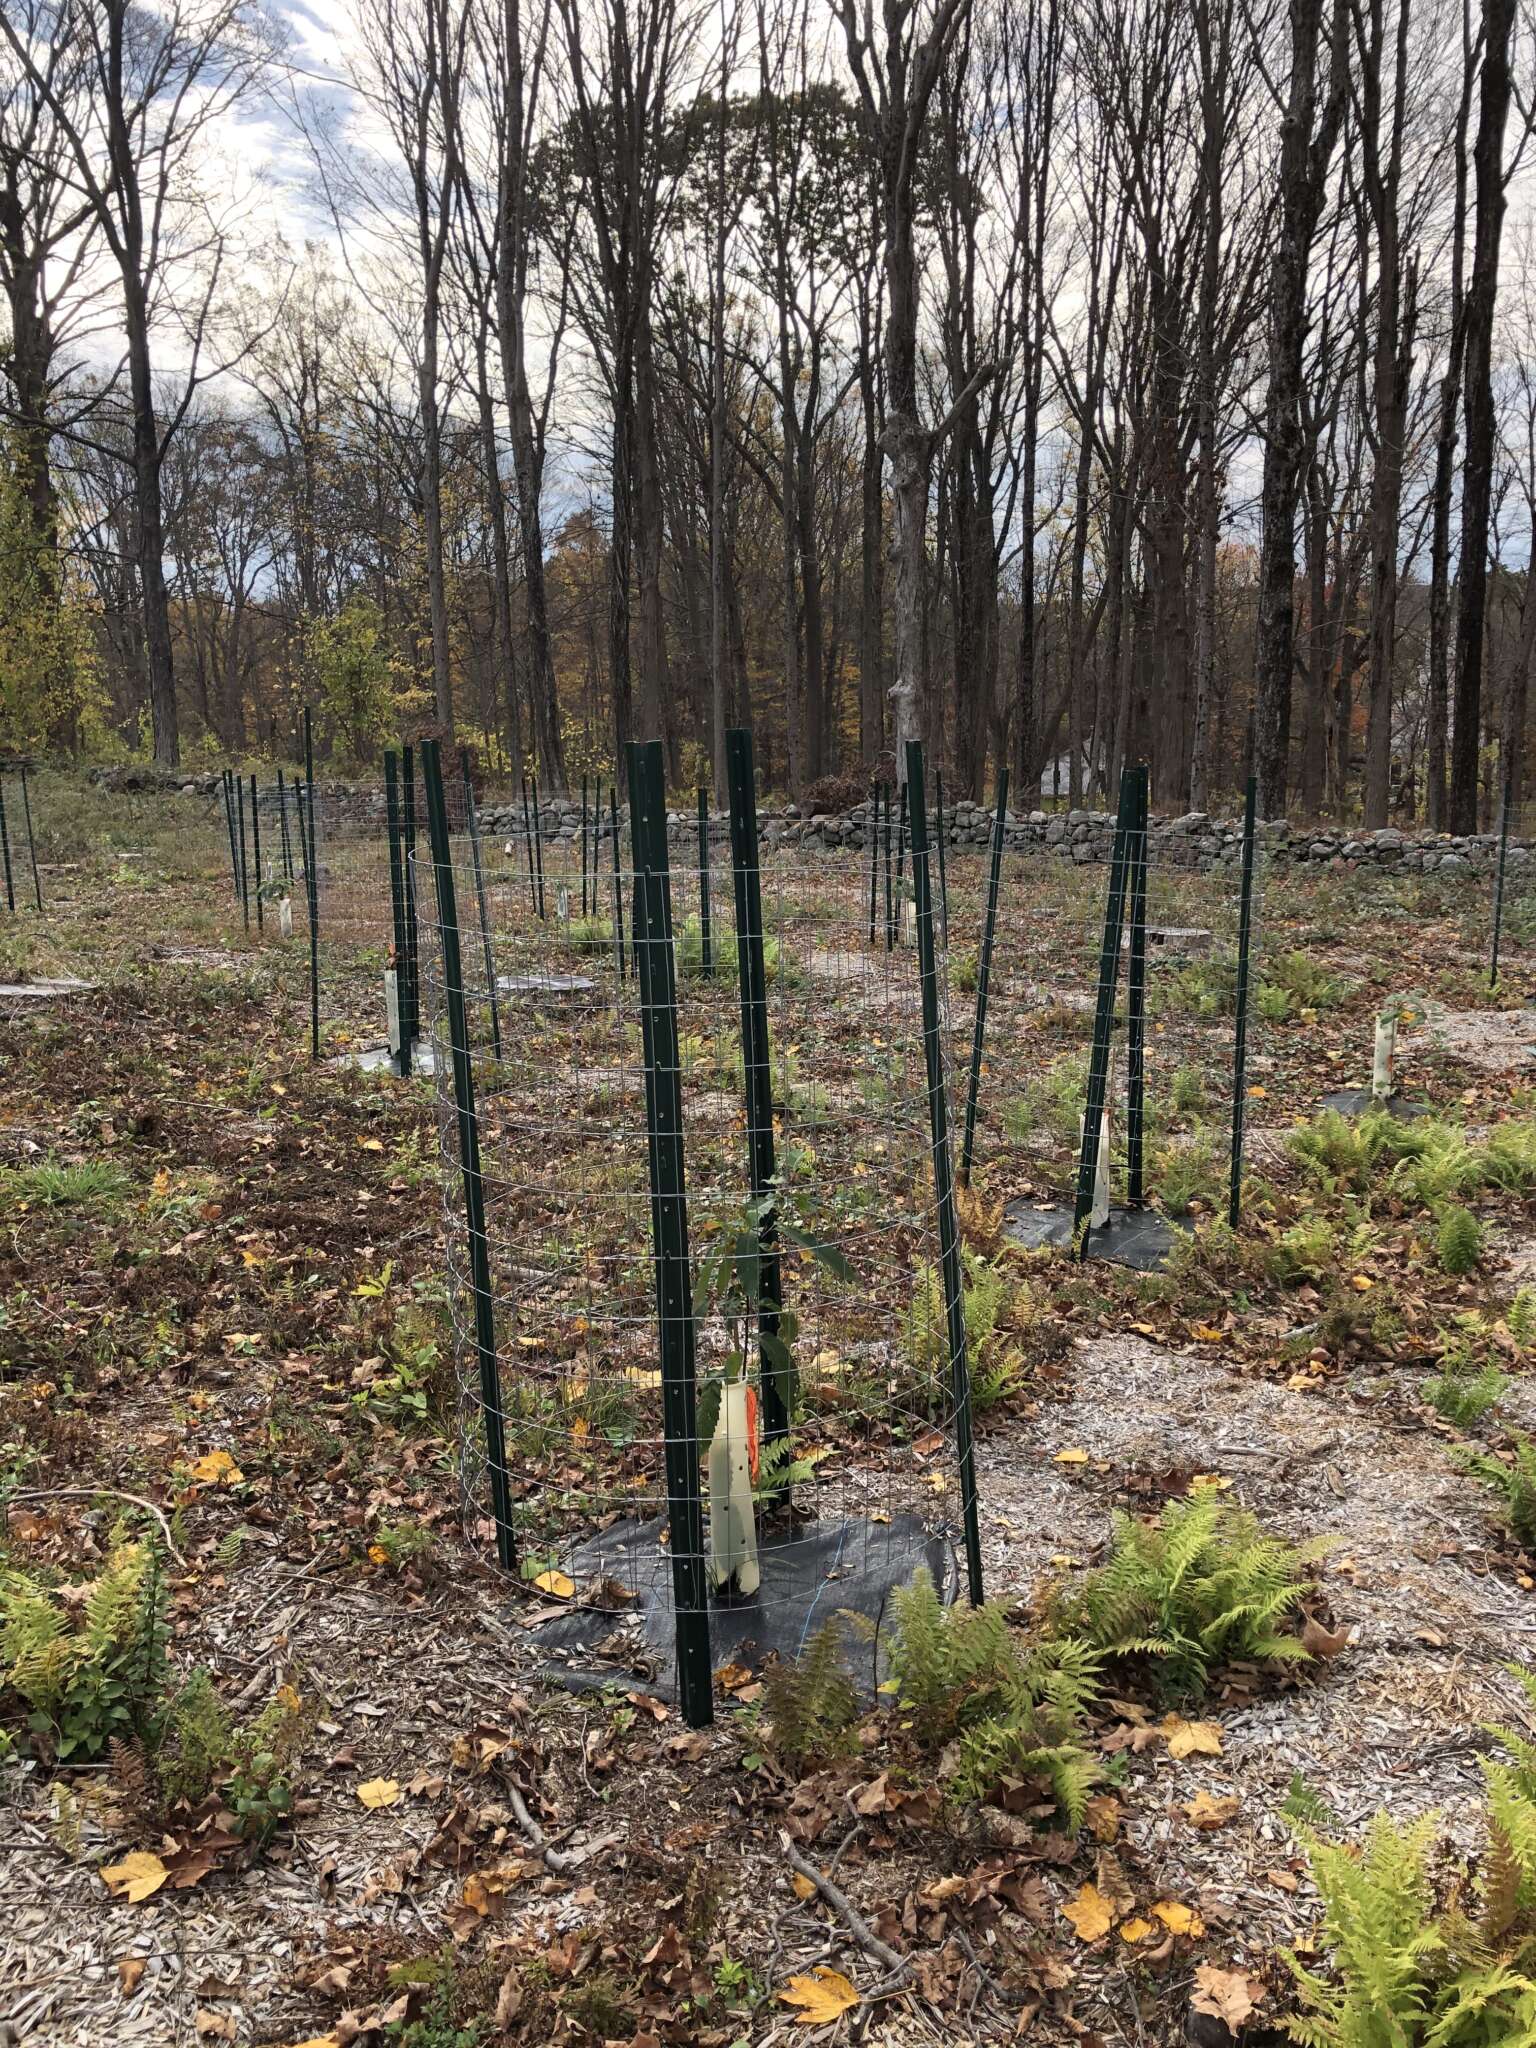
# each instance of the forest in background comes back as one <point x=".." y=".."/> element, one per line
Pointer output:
<point x="1064" y="381"/>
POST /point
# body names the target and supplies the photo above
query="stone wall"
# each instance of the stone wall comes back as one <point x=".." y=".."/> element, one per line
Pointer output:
<point x="1194" y="841"/>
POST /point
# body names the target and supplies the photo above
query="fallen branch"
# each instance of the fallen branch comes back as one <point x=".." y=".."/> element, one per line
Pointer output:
<point x="897" y="1968"/>
<point x="100" y="1493"/>
<point x="559" y="1862"/>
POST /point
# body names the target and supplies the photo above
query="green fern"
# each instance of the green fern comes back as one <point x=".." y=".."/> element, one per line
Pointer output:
<point x="1201" y="1586"/>
<point x="1520" y="1317"/>
<point x="811" y="1703"/>
<point x="1514" y="1483"/>
<point x="1459" y="1241"/>
<point x="103" y="1677"/>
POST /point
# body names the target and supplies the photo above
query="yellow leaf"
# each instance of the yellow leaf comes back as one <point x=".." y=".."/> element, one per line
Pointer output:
<point x="217" y="1468"/>
<point x="1135" y="1930"/>
<point x="138" y="1876"/>
<point x="161" y="1182"/>
<point x="1190" y="1738"/>
<point x="1208" y="1813"/>
<point x="377" y="1554"/>
<point x="377" y="1792"/>
<point x="288" y="1699"/>
<point x="1178" y="1919"/>
<point x="804" y="1889"/>
<point x="1361" y="1283"/>
<point x="1258" y="1093"/>
<point x="823" y="1996"/>
<point x="1071" y="1457"/>
<point x="556" y="1584"/>
<point x="1206" y="1333"/>
<point x="1089" y="1913"/>
<point x="371" y="1144"/>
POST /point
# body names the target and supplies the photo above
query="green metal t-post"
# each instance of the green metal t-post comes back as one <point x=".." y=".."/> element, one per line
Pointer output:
<point x="26" y="811"/>
<point x="1498" y="885"/>
<point x="457" y="1017"/>
<point x="1136" y="996"/>
<point x="472" y="824"/>
<point x="706" y="948"/>
<point x="984" y="977"/>
<point x="397" y="905"/>
<point x="1104" y="1015"/>
<point x="311" y="883"/>
<point x="256" y="854"/>
<point x="757" y="1062"/>
<point x="669" y="1228"/>
<point x="1240" y="1031"/>
<point x="943" y="1173"/>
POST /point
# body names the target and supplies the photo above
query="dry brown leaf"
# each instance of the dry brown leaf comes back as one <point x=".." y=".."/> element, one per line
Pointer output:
<point x="1322" y="1642"/>
<point x="138" y="1876"/>
<point x="215" y="2026"/>
<point x="377" y="1792"/>
<point x="130" y="1974"/>
<point x="1089" y="1913"/>
<point x="804" y="1889"/>
<point x="823" y="1996"/>
<point x="1209" y="1811"/>
<point x="1228" y="1995"/>
<point x="1190" y="1738"/>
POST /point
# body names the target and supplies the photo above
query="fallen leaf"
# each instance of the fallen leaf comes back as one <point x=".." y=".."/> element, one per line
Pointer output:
<point x="376" y="1792"/>
<point x="823" y="1996"/>
<point x="1206" y="1333"/>
<point x="1318" y="1641"/>
<point x="1190" y="1738"/>
<point x="215" y="2026"/>
<point x="1229" y="1995"/>
<point x="803" y="1887"/>
<point x="216" y="1468"/>
<point x="1135" y="1930"/>
<point x="1074" y="1456"/>
<point x="371" y="1144"/>
<point x="1089" y="1913"/>
<point x="1178" y="1919"/>
<point x="1208" y="1811"/>
<point x="138" y="1875"/>
<point x="130" y="1972"/>
<point x="732" y="1677"/>
<point x="556" y="1584"/>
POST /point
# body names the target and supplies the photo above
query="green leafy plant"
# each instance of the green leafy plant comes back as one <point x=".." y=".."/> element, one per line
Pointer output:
<point x="90" y="1669"/>
<point x="1013" y="1712"/>
<point x="1462" y="1396"/>
<point x="1520" y="1318"/>
<point x="1408" y="1972"/>
<point x="994" y="1368"/>
<point x="1201" y="1585"/>
<point x="1459" y="1241"/>
<point x="1303" y="1251"/>
<point x="96" y="1184"/>
<point x="1514" y="1481"/>
<point x="811" y="1705"/>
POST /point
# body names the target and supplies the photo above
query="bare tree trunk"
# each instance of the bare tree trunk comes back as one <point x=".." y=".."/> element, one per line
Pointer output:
<point x="1477" y="472"/>
<point x="1304" y="156"/>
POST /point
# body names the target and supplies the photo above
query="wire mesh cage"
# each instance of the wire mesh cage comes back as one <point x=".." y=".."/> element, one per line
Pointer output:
<point x="1114" y="996"/>
<point x="704" y="1269"/>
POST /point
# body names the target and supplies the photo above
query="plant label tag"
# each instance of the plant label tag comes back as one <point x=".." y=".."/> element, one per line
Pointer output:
<point x="285" y="917"/>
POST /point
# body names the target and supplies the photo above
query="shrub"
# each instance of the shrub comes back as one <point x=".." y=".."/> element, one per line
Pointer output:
<point x="1305" y="1251"/>
<point x="1514" y="1482"/>
<point x="1459" y="1241"/>
<point x="1198" y="1587"/>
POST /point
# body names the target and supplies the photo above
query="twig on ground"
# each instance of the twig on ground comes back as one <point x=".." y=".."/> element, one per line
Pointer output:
<point x="560" y="1862"/>
<point x="898" y="1968"/>
<point x="102" y="1493"/>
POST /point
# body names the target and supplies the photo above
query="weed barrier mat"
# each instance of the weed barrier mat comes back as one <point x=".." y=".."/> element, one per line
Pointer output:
<point x="1140" y="1239"/>
<point x="815" y="1575"/>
